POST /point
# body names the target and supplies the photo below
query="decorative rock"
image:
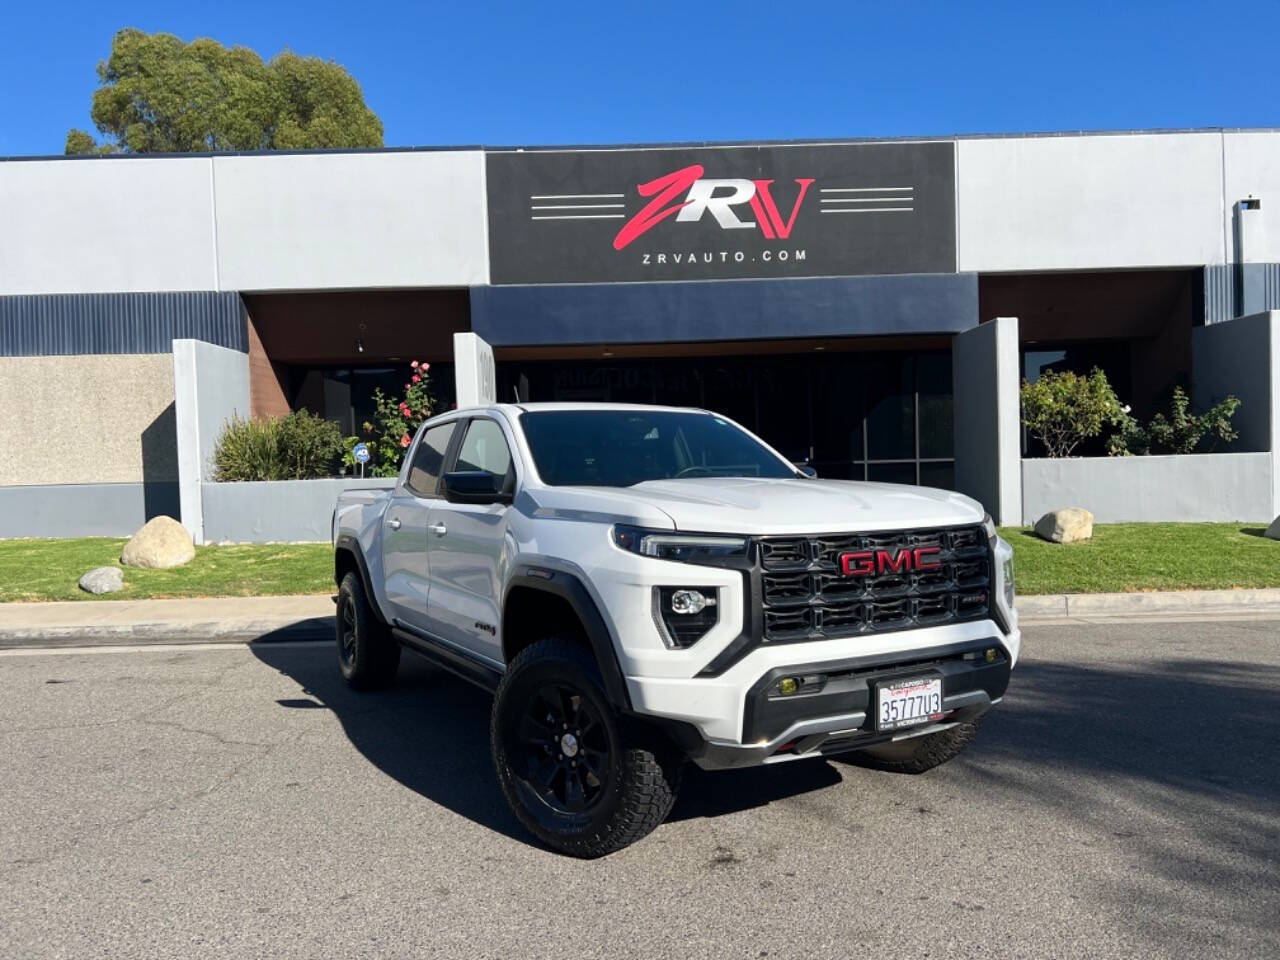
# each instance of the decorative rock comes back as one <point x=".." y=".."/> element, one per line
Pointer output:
<point x="103" y="580"/>
<point x="162" y="542"/>
<point x="1068" y="525"/>
<point x="1273" y="531"/>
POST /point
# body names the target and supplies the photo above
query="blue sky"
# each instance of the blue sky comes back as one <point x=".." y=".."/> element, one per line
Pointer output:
<point x="543" y="73"/>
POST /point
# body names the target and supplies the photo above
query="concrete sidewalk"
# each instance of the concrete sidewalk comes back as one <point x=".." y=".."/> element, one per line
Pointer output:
<point x="207" y="619"/>
<point x="266" y="619"/>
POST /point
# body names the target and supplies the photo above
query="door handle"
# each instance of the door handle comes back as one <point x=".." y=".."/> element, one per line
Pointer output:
<point x="393" y="523"/>
<point x="439" y="529"/>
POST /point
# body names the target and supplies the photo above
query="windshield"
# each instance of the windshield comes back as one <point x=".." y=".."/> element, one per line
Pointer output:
<point x="618" y="448"/>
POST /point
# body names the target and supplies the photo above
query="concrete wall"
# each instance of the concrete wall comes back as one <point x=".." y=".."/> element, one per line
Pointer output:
<point x="278" y="510"/>
<point x="1218" y="487"/>
<point x="1250" y="168"/>
<point x="309" y="221"/>
<point x="1242" y="358"/>
<point x="1061" y="203"/>
<point x="87" y="419"/>
<point x="211" y="386"/>
<point x="106" y="226"/>
<point x="357" y="220"/>
<point x="84" y="509"/>
<point x="984" y="364"/>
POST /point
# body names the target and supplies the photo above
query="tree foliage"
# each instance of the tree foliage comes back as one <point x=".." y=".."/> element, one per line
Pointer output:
<point x="161" y="95"/>
<point x="1062" y="409"/>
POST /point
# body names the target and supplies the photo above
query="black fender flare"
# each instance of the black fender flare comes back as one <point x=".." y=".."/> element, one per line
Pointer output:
<point x="570" y="589"/>
<point x="346" y="543"/>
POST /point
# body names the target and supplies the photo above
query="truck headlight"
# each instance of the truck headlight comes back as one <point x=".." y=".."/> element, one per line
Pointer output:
<point x="1008" y="583"/>
<point x="704" y="548"/>
<point x="989" y="526"/>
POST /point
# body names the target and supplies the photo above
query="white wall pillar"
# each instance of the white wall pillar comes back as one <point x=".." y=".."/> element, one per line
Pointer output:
<point x="475" y="380"/>
<point x="210" y="386"/>
<point x="985" y="382"/>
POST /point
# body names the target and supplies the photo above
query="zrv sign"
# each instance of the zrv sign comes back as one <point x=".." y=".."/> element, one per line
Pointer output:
<point x="721" y="212"/>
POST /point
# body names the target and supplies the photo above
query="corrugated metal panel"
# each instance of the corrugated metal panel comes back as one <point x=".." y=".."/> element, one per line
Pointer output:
<point x="1270" y="285"/>
<point x="1219" y="292"/>
<point x="65" y="324"/>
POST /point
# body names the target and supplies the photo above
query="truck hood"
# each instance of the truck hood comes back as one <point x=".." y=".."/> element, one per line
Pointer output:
<point x="751" y="505"/>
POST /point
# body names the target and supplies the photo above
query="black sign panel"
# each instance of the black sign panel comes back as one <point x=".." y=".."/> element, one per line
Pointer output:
<point x="714" y="213"/>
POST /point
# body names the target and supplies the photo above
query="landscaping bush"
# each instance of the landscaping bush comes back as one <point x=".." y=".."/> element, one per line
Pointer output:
<point x="1181" y="432"/>
<point x="1062" y="409"/>
<point x="395" y="422"/>
<point x="299" y="446"/>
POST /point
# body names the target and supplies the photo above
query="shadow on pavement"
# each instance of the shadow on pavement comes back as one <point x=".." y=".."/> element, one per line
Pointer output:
<point x="1189" y="738"/>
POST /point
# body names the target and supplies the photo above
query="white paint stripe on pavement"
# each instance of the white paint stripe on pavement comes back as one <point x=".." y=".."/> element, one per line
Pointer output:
<point x="34" y="651"/>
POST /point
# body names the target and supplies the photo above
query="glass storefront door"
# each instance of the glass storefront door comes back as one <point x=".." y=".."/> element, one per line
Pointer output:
<point x="876" y="415"/>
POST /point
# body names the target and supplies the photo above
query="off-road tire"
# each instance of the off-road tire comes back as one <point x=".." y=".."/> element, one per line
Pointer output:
<point x="368" y="655"/>
<point x="918" y="754"/>
<point x="644" y="775"/>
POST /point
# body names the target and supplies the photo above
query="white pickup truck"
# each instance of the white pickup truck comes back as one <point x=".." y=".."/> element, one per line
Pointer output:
<point x="642" y="585"/>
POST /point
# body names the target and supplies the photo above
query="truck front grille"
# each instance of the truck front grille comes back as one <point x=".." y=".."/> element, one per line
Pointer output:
<point x="807" y="596"/>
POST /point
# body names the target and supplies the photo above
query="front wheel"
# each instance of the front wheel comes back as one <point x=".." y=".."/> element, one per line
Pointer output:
<point x="918" y="754"/>
<point x="572" y="774"/>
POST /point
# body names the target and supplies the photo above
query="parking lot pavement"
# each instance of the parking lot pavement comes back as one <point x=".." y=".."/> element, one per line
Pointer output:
<point x="1124" y="801"/>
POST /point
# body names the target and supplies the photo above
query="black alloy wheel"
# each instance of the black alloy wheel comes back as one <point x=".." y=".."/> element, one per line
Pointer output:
<point x="580" y="776"/>
<point x="565" y="756"/>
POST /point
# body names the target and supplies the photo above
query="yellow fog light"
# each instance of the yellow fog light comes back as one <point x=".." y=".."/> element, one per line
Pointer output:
<point x="991" y="655"/>
<point x="788" y="685"/>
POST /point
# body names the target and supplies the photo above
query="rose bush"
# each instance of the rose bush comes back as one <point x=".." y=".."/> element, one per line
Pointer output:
<point x="395" y="420"/>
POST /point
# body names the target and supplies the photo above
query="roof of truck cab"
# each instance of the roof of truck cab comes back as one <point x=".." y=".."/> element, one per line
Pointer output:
<point x="564" y="407"/>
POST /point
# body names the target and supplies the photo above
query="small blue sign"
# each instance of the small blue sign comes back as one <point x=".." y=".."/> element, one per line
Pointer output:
<point x="361" y="453"/>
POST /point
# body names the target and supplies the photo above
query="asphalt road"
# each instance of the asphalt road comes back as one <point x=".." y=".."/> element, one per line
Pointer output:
<point x="1124" y="801"/>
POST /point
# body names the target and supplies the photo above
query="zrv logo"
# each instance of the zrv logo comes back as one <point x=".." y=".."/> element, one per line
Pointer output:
<point x="866" y="562"/>
<point x="716" y="196"/>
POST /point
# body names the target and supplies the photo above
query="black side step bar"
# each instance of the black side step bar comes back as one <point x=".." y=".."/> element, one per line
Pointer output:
<point x="458" y="662"/>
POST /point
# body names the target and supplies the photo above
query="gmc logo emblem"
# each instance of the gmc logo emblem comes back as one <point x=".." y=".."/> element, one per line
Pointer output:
<point x="866" y="562"/>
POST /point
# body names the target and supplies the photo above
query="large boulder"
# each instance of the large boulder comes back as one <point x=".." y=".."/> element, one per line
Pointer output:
<point x="1273" y="531"/>
<point x="103" y="580"/>
<point x="1068" y="525"/>
<point x="162" y="542"/>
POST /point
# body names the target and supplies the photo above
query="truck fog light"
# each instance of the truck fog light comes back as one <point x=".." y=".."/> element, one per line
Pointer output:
<point x="683" y="615"/>
<point x="990" y="655"/>
<point x="690" y="601"/>
<point x="788" y="685"/>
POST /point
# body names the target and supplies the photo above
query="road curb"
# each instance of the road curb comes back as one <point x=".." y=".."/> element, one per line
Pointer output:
<point x="1075" y="606"/>
<point x="304" y="621"/>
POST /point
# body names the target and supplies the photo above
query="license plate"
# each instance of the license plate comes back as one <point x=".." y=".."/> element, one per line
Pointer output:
<point x="905" y="703"/>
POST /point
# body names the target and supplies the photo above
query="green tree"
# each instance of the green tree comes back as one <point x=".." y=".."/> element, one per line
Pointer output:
<point x="161" y="95"/>
<point x="1181" y="432"/>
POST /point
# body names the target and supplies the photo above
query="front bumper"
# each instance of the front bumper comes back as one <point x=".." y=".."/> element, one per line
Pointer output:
<point x="838" y="716"/>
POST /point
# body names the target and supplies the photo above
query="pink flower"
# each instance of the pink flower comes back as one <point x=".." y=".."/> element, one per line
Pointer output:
<point x="405" y="411"/>
<point x="416" y="378"/>
<point x="404" y="441"/>
<point x="414" y="364"/>
<point x="425" y="367"/>
<point x="406" y="386"/>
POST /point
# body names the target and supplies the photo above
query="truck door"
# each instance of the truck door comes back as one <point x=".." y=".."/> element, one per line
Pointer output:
<point x="467" y="548"/>
<point x="405" y="534"/>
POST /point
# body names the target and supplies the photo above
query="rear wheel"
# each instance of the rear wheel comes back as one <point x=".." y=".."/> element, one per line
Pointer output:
<point x="367" y="653"/>
<point x="577" y="777"/>
<point x="918" y="754"/>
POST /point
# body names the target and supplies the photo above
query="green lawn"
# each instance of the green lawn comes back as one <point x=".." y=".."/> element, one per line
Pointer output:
<point x="50" y="570"/>
<point x="1121" y="557"/>
<point x="1127" y="557"/>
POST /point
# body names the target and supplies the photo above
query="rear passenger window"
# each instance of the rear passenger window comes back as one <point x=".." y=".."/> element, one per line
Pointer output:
<point x="485" y="449"/>
<point x="428" y="461"/>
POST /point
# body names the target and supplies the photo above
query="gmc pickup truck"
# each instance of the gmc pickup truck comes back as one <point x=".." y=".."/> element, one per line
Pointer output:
<point x="640" y="585"/>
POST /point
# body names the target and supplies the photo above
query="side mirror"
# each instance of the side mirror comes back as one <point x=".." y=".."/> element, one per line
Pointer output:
<point x="475" y="486"/>
<point x="807" y="470"/>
